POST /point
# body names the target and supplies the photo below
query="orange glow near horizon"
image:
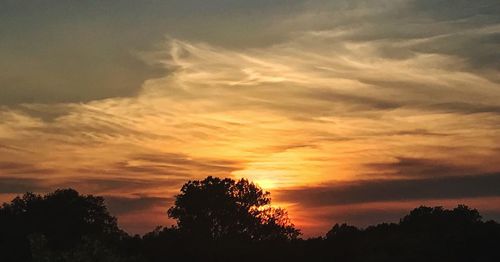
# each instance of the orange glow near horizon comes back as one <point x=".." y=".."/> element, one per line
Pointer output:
<point x="287" y="117"/>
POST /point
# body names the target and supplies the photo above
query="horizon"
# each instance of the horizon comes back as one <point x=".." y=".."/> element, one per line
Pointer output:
<point x="346" y="111"/>
<point x="66" y="195"/>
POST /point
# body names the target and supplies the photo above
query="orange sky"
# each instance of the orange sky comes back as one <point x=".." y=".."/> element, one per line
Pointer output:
<point x="341" y="123"/>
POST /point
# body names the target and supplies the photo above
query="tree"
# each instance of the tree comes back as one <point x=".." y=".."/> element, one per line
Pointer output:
<point x="438" y="218"/>
<point x="89" y="250"/>
<point x="63" y="218"/>
<point x="342" y="231"/>
<point x="225" y="209"/>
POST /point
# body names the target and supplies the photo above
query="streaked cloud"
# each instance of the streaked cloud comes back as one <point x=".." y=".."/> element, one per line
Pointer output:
<point x="368" y="191"/>
<point x="348" y="99"/>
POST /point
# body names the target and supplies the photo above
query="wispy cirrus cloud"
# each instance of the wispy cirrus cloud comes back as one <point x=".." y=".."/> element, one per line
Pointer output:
<point x="361" y="96"/>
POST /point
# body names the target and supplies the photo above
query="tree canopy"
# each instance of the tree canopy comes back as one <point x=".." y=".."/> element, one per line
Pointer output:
<point x="63" y="218"/>
<point x="226" y="209"/>
<point x="226" y="220"/>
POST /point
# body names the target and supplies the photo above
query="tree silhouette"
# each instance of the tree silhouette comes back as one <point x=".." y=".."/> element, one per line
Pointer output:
<point x="225" y="209"/>
<point x="425" y="234"/>
<point x="88" y="250"/>
<point x="342" y="231"/>
<point x="228" y="220"/>
<point x="63" y="218"/>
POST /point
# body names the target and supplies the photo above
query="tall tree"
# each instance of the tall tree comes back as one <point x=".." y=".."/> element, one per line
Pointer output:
<point x="225" y="209"/>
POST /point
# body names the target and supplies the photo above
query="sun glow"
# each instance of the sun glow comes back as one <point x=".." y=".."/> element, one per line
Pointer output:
<point x="318" y="107"/>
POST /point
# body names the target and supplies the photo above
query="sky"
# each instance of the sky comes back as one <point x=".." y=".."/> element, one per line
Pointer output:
<point x="346" y="111"/>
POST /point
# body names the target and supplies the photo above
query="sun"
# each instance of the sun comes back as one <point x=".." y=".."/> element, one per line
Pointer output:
<point x="266" y="179"/>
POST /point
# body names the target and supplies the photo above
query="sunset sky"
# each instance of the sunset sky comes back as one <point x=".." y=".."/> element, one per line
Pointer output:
<point x="345" y="110"/>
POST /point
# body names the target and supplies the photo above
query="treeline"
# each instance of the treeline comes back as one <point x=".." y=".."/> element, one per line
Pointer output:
<point x="228" y="220"/>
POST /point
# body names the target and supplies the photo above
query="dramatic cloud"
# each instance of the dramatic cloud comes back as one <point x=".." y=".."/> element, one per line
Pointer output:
<point x="18" y="185"/>
<point x="325" y="103"/>
<point x="123" y="205"/>
<point x="422" y="168"/>
<point x="456" y="187"/>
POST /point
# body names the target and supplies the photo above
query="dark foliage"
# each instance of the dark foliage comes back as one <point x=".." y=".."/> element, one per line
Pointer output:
<point x="426" y="234"/>
<point x="61" y="220"/>
<point x="224" y="209"/>
<point x="227" y="220"/>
